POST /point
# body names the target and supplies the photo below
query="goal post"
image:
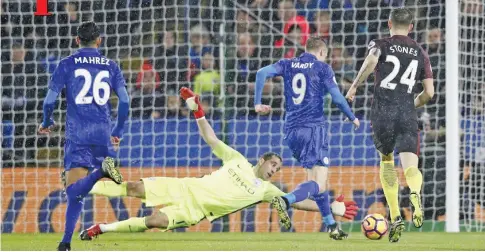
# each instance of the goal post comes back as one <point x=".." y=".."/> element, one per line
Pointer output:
<point x="452" y="116"/>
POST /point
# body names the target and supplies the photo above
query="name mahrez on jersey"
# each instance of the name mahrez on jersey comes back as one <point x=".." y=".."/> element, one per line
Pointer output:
<point x="301" y="65"/>
<point x="92" y="60"/>
<point x="403" y="49"/>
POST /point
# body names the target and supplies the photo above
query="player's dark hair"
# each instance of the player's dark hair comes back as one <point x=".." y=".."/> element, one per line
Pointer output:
<point x="315" y="43"/>
<point x="402" y="17"/>
<point x="88" y="32"/>
<point x="268" y="155"/>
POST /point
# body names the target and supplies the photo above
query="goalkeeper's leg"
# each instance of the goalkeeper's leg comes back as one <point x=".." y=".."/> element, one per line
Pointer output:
<point x="414" y="179"/>
<point x="111" y="189"/>
<point x="168" y="218"/>
<point x="134" y="224"/>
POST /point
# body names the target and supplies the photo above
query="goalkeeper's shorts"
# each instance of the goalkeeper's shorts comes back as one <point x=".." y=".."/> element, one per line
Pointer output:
<point x="85" y="156"/>
<point x="180" y="206"/>
<point x="309" y="145"/>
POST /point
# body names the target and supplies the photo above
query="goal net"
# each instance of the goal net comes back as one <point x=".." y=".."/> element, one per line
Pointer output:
<point x="472" y="101"/>
<point x="216" y="47"/>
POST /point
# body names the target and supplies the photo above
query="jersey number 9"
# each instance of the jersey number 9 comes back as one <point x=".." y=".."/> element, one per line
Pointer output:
<point x="407" y="78"/>
<point x="97" y="85"/>
<point x="298" y="90"/>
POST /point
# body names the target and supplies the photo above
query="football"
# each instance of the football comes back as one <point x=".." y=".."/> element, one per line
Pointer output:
<point x="374" y="226"/>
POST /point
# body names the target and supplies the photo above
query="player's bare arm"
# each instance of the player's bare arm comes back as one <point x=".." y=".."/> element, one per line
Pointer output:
<point x="367" y="68"/>
<point x="426" y="95"/>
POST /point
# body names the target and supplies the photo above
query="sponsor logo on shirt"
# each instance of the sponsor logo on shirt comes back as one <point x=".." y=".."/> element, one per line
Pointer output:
<point x="239" y="182"/>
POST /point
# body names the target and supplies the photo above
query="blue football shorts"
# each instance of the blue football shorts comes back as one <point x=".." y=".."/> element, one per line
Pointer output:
<point x="85" y="156"/>
<point x="309" y="145"/>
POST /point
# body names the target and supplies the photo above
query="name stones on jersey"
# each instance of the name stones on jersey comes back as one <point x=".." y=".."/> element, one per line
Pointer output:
<point x="91" y="60"/>
<point x="301" y="65"/>
<point x="403" y="49"/>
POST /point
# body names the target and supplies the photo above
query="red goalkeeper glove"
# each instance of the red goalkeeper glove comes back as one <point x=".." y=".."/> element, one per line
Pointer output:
<point x="346" y="209"/>
<point x="193" y="102"/>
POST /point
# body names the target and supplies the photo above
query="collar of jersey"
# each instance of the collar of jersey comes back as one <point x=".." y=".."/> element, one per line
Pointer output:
<point x="400" y="36"/>
<point x="308" y="55"/>
<point x="88" y="49"/>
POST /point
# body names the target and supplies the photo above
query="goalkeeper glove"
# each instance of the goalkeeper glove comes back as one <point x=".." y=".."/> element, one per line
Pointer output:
<point x="193" y="102"/>
<point x="346" y="209"/>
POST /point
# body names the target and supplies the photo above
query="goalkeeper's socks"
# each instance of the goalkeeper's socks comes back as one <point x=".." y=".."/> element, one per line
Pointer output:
<point x="323" y="203"/>
<point x="84" y="185"/>
<point x="74" y="207"/>
<point x="390" y="185"/>
<point x="110" y="189"/>
<point x="414" y="178"/>
<point x="135" y="224"/>
<point x="302" y="192"/>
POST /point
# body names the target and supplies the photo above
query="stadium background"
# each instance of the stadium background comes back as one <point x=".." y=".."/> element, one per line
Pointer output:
<point x="216" y="47"/>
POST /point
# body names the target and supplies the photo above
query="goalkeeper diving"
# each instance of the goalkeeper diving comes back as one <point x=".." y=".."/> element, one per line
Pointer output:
<point x="236" y="185"/>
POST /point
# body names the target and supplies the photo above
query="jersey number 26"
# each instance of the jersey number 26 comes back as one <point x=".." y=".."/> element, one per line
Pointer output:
<point x="97" y="85"/>
<point x="407" y="78"/>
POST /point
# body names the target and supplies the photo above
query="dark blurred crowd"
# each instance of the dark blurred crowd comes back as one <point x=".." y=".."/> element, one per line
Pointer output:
<point x="164" y="45"/>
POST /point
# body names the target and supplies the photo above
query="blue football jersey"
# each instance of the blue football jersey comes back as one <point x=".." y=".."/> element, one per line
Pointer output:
<point x="306" y="83"/>
<point x="88" y="78"/>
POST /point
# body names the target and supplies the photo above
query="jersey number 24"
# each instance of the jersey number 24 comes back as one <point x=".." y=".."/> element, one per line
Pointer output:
<point x="407" y="78"/>
<point x="97" y="85"/>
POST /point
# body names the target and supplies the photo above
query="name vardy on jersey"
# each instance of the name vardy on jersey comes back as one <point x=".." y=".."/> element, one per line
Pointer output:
<point x="301" y="65"/>
<point x="92" y="60"/>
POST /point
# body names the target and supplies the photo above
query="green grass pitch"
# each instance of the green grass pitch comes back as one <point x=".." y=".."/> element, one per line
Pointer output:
<point x="247" y="241"/>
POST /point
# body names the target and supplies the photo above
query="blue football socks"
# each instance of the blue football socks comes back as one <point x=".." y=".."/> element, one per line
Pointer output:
<point x="323" y="203"/>
<point x="302" y="192"/>
<point x="84" y="185"/>
<point x="74" y="207"/>
<point x="75" y="195"/>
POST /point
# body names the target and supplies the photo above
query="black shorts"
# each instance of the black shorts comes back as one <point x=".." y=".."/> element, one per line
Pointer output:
<point x="394" y="131"/>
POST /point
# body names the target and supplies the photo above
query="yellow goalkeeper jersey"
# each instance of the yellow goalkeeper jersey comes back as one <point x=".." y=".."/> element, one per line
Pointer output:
<point x="231" y="188"/>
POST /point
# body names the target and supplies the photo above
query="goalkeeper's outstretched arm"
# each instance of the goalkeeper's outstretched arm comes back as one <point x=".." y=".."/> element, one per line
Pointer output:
<point x="205" y="129"/>
<point x="207" y="133"/>
<point x="346" y="209"/>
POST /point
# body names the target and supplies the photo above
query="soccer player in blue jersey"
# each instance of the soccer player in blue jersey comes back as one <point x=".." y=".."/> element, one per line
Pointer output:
<point x="88" y="78"/>
<point x="307" y="79"/>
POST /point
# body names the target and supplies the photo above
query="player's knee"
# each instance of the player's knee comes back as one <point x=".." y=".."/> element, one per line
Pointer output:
<point x="322" y="185"/>
<point x="135" y="189"/>
<point x="74" y="174"/>
<point x="319" y="174"/>
<point x="157" y="220"/>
